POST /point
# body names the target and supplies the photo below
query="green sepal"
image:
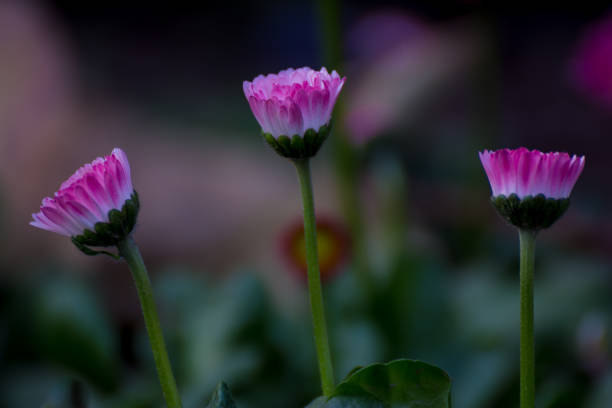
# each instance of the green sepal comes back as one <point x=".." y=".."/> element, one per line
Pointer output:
<point x="296" y="146"/>
<point x="88" y="251"/>
<point x="120" y="224"/>
<point x="221" y="398"/>
<point x="115" y="221"/>
<point x="130" y="211"/>
<point x="531" y="212"/>
<point x="285" y="144"/>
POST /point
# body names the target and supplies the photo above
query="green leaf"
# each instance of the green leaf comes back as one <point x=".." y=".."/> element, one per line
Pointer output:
<point x="401" y="383"/>
<point x="221" y="398"/>
<point x="398" y="384"/>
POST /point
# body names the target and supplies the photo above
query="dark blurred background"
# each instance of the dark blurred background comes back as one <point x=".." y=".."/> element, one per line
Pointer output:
<point x="428" y="85"/>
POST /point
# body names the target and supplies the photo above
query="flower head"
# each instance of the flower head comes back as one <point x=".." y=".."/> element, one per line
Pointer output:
<point x="96" y="206"/>
<point x="294" y="102"/>
<point x="530" y="188"/>
<point x="332" y="243"/>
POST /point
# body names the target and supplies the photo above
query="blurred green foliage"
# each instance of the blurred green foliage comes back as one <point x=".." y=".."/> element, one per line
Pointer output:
<point x="60" y="338"/>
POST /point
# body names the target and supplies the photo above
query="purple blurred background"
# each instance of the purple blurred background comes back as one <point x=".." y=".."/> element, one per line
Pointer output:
<point x="165" y="85"/>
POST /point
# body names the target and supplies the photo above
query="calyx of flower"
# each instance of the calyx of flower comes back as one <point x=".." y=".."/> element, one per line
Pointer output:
<point x="297" y="146"/>
<point x="105" y="234"/>
<point x="530" y="212"/>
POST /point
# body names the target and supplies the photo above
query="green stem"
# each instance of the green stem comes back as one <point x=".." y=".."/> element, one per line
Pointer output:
<point x="345" y="156"/>
<point x="314" y="279"/>
<point x="329" y="18"/>
<point x="527" y="361"/>
<point x="346" y="164"/>
<point x="129" y="251"/>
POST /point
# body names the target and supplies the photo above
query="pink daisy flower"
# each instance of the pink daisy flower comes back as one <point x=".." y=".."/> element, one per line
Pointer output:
<point x="531" y="189"/>
<point x="87" y="197"/>
<point x="294" y="100"/>
<point x="294" y="108"/>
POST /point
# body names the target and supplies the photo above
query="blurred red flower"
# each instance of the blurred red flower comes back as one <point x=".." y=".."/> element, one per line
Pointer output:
<point x="333" y="245"/>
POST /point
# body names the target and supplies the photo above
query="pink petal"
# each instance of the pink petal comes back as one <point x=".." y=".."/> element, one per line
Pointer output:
<point x="87" y="196"/>
<point x="529" y="173"/>
<point x="273" y="99"/>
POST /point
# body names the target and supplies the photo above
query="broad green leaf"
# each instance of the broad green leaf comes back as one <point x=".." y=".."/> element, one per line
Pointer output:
<point x="398" y="384"/>
<point x="401" y="383"/>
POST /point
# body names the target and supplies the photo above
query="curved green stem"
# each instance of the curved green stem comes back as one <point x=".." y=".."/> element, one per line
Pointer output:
<point x="129" y="251"/>
<point x="527" y="361"/>
<point x="314" y="279"/>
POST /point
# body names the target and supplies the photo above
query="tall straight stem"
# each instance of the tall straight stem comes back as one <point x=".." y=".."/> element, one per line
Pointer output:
<point x="329" y="20"/>
<point x="345" y="156"/>
<point x="129" y="251"/>
<point x="527" y="359"/>
<point x="314" y="278"/>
